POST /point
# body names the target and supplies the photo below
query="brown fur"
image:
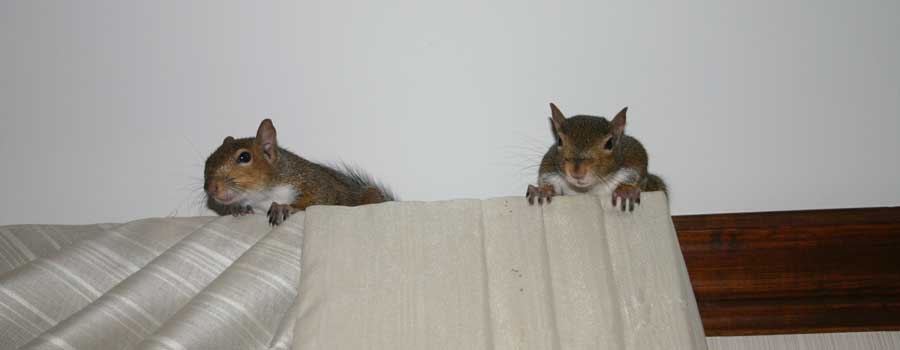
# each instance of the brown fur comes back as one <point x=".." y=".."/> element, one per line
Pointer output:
<point x="582" y="151"/>
<point x="273" y="166"/>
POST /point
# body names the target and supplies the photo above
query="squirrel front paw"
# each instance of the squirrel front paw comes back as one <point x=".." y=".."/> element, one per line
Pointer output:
<point x="240" y="211"/>
<point x="278" y="213"/>
<point x="626" y="193"/>
<point x="542" y="193"/>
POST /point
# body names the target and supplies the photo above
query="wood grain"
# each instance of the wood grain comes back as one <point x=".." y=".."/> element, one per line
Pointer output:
<point x="794" y="271"/>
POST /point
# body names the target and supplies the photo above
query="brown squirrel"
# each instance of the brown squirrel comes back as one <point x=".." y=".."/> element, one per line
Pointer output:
<point x="593" y="155"/>
<point x="249" y="174"/>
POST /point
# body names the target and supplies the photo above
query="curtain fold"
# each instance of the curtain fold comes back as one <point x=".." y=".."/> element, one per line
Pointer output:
<point x="495" y="274"/>
<point x="175" y="283"/>
<point x="21" y="244"/>
<point x="465" y="274"/>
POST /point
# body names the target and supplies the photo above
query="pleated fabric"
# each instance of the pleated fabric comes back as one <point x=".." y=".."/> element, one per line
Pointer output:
<point x="464" y="274"/>
<point x="495" y="274"/>
<point x="173" y="283"/>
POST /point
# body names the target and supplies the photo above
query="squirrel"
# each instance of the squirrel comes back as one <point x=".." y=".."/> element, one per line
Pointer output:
<point x="249" y="174"/>
<point x="593" y="155"/>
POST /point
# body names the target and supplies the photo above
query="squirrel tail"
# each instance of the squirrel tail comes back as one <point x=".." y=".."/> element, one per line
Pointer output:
<point x="373" y="191"/>
<point x="655" y="183"/>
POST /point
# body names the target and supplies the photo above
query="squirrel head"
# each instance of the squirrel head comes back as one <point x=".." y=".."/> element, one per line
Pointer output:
<point x="241" y="167"/>
<point x="589" y="146"/>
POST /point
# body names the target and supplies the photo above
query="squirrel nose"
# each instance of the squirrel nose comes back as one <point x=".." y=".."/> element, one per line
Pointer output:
<point x="212" y="188"/>
<point x="579" y="171"/>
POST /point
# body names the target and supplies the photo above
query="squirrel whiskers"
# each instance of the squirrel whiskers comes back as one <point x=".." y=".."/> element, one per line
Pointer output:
<point x="593" y="155"/>
<point x="248" y="174"/>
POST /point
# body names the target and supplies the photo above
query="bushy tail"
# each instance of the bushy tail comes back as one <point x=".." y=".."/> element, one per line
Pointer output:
<point x="374" y="191"/>
<point x="655" y="183"/>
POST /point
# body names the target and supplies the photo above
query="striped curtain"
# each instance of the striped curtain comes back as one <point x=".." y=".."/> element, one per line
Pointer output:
<point x="174" y="283"/>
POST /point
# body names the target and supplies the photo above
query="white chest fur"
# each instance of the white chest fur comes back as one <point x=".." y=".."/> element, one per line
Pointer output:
<point x="604" y="186"/>
<point x="612" y="181"/>
<point x="260" y="201"/>
<point x="559" y="183"/>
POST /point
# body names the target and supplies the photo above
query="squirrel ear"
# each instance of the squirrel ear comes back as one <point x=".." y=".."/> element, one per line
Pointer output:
<point x="557" y="118"/>
<point x="557" y="134"/>
<point x="227" y="140"/>
<point x="618" y="123"/>
<point x="265" y="138"/>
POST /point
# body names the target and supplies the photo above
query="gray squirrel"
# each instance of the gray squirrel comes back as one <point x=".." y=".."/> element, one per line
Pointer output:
<point x="253" y="173"/>
<point x="593" y="155"/>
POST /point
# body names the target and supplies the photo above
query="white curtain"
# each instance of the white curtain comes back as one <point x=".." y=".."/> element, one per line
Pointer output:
<point x="495" y="274"/>
<point x="466" y="274"/>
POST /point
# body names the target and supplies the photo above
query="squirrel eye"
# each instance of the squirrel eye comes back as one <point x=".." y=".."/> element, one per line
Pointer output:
<point x="559" y="141"/>
<point x="609" y="144"/>
<point x="244" y="157"/>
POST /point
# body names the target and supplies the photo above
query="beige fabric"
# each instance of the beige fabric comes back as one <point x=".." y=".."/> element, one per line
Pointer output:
<point x="829" y="341"/>
<point x="495" y="274"/>
<point x="179" y="283"/>
<point x="21" y="244"/>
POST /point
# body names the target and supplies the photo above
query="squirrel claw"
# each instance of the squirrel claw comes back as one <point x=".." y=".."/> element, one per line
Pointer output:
<point x="542" y="193"/>
<point x="627" y="195"/>
<point x="278" y="213"/>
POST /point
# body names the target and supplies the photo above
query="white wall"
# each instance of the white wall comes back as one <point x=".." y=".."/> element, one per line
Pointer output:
<point x="110" y="107"/>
